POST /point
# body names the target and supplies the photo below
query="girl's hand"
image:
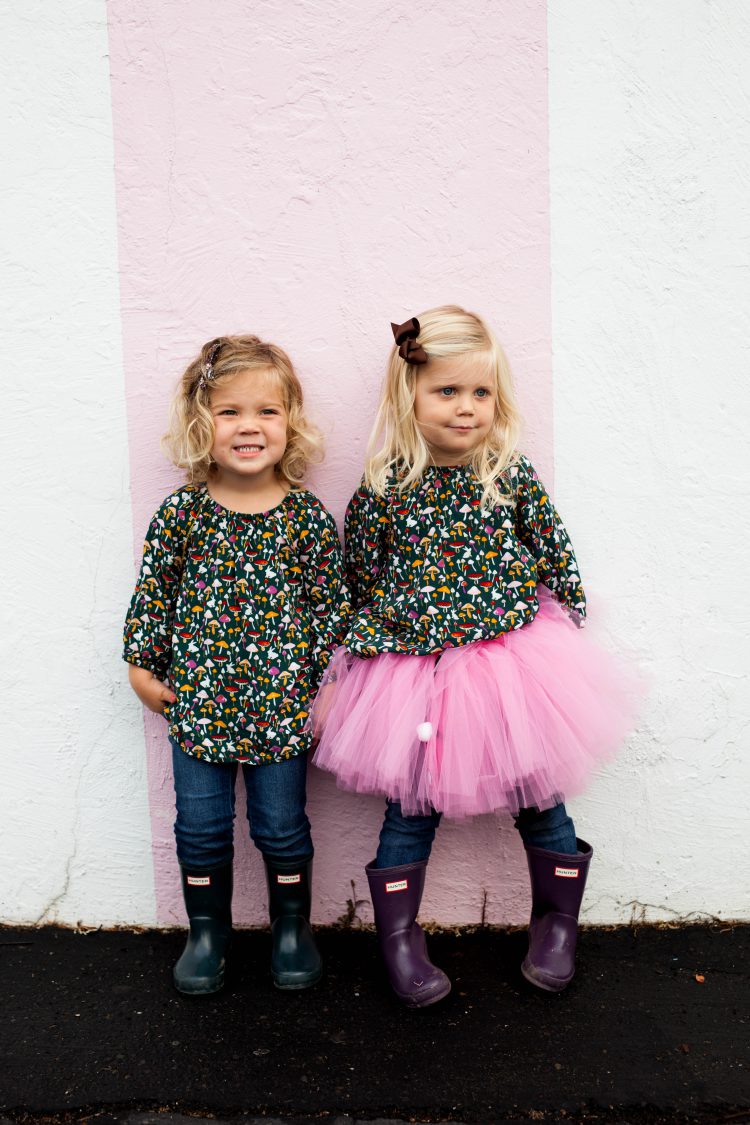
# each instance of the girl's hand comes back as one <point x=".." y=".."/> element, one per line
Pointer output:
<point x="321" y="707"/>
<point x="152" y="692"/>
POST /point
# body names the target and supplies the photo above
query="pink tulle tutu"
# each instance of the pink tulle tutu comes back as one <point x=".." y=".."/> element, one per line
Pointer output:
<point x="517" y="721"/>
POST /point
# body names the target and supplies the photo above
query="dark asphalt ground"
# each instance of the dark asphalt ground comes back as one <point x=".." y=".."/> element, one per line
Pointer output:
<point x="654" y="1028"/>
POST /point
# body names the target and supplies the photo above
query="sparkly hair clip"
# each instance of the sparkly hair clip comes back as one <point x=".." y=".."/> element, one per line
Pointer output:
<point x="207" y="367"/>
<point x="405" y="336"/>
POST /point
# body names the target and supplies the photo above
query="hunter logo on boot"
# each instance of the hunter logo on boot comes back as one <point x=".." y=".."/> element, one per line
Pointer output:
<point x="285" y="879"/>
<point x="397" y="885"/>
<point x="199" y="880"/>
<point x="567" y="872"/>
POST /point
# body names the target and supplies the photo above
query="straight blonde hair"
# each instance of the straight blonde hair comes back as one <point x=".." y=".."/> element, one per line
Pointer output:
<point x="191" y="433"/>
<point x="397" y="450"/>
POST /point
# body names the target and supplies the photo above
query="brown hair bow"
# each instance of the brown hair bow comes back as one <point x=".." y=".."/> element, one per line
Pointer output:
<point x="405" y="336"/>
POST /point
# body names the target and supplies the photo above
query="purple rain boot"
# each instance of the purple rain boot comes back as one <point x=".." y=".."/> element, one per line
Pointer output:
<point x="396" y="894"/>
<point x="557" y="885"/>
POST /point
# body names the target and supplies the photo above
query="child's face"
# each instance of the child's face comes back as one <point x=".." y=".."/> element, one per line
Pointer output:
<point x="250" y="424"/>
<point x="454" y="406"/>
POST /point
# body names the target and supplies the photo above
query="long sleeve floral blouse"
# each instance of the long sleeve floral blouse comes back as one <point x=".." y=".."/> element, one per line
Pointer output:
<point x="240" y="614"/>
<point x="431" y="569"/>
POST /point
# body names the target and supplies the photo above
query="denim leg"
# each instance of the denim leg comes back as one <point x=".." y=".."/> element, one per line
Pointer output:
<point x="204" y="796"/>
<point x="405" y="839"/>
<point x="276" y="795"/>
<point x="551" y="829"/>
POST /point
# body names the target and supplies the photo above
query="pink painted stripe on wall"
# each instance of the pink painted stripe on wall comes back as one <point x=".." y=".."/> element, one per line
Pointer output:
<point x="309" y="173"/>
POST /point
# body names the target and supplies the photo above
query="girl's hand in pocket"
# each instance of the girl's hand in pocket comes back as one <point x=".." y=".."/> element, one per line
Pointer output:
<point x="152" y="692"/>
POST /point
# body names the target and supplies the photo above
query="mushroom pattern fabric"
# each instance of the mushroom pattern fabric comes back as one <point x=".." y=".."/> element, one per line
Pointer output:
<point x="431" y="569"/>
<point x="239" y="613"/>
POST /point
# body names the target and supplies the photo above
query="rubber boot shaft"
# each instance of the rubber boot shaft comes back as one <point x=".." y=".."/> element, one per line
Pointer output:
<point x="557" y="885"/>
<point x="208" y="902"/>
<point x="295" y="960"/>
<point x="396" y="897"/>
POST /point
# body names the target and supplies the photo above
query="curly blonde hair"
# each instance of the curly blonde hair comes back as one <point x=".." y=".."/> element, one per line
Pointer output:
<point x="190" y="437"/>
<point x="398" y="450"/>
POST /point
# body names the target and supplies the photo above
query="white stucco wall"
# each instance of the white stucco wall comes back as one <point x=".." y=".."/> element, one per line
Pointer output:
<point x="74" y="815"/>
<point x="650" y="160"/>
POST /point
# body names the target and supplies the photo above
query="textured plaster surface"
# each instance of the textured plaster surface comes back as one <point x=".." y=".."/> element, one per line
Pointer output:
<point x="73" y="808"/>
<point x="650" y="165"/>
<point x="301" y="183"/>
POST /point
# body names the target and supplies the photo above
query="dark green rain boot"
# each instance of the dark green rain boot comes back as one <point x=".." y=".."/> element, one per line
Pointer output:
<point x="295" y="960"/>
<point x="208" y="901"/>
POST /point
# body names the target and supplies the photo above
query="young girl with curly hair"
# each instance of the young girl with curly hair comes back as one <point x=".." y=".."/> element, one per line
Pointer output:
<point x="239" y="602"/>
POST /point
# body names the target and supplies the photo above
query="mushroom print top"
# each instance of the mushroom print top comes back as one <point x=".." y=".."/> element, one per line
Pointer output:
<point x="430" y="569"/>
<point x="240" y="614"/>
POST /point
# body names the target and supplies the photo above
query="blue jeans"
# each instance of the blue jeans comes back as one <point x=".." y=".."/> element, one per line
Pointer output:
<point x="204" y="795"/>
<point x="408" y="839"/>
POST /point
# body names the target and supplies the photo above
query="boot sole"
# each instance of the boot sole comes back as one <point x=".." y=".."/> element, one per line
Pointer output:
<point x="546" y="984"/>
<point x="285" y="984"/>
<point x="202" y="988"/>
<point x="424" y="1001"/>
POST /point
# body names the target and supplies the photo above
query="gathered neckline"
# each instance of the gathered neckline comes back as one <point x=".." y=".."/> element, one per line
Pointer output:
<point x="247" y="515"/>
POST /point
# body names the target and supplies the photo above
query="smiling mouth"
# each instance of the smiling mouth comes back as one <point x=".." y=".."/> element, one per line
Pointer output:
<point x="248" y="448"/>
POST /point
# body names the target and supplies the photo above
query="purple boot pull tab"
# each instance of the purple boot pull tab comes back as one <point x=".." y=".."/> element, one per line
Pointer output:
<point x="396" y="895"/>
<point x="557" y="886"/>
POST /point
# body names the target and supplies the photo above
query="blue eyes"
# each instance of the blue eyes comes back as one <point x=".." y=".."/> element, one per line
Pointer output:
<point x="231" y="411"/>
<point x="449" y="392"/>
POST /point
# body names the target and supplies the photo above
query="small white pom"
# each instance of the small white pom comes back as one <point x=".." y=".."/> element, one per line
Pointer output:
<point x="424" y="732"/>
